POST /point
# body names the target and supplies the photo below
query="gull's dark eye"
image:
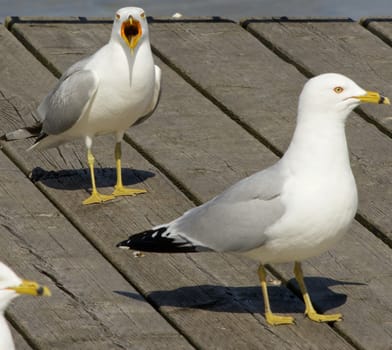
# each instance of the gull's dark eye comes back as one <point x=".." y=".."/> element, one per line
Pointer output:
<point x="117" y="16"/>
<point x="143" y="15"/>
<point x="338" y="89"/>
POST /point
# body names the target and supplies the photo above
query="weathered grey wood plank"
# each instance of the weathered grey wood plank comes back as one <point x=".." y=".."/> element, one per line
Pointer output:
<point x="83" y="308"/>
<point x="41" y="244"/>
<point x="365" y="262"/>
<point x="380" y="26"/>
<point x="375" y="187"/>
<point x="20" y="342"/>
<point x="216" y="80"/>
<point x="207" y="314"/>
<point x="67" y="48"/>
<point x="317" y="46"/>
<point x="172" y="97"/>
<point x="245" y="154"/>
<point x="85" y="311"/>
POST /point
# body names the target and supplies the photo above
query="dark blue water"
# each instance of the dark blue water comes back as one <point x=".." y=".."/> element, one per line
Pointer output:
<point x="234" y="9"/>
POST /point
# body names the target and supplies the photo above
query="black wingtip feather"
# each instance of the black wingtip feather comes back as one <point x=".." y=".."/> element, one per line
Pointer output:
<point x="154" y="241"/>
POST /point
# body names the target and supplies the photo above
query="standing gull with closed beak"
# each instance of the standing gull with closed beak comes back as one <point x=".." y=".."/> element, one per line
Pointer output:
<point x="295" y="209"/>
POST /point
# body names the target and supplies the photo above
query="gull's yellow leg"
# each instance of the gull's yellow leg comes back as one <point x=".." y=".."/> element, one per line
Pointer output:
<point x="95" y="197"/>
<point x="119" y="189"/>
<point x="309" y="309"/>
<point x="271" y="318"/>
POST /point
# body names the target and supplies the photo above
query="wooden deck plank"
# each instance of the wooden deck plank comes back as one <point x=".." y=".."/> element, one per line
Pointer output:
<point x="380" y="26"/>
<point x="207" y="314"/>
<point x="360" y="270"/>
<point x="193" y="145"/>
<point x="194" y="42"/>
<point x="184" y="133"/>
<point x="375" y="187"/>
<point x="331" y="46"/>
<point x="250" y="155"/>
<point x="84" y="310"/>
<point x="73" y="47"/>
<point x="19" y="341"/>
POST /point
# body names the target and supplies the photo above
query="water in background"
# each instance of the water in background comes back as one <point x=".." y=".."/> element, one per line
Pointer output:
<point x="233" y="9"/>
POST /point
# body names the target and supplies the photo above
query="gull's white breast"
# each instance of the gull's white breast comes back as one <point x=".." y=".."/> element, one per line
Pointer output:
<point x="125" y="90"/>
<point x="319" y="210"/>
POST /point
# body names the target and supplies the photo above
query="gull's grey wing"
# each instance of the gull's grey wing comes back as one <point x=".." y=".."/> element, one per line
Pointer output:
<point x="155" y="99"/>
<point x="236" y="219"/>
<point x="66" y="103"/>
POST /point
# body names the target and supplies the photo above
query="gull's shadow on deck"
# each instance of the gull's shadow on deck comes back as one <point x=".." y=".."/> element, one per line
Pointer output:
<point x="76" y="179"/>
<point x="324" y="298"/>
<point x="247" y="299"/>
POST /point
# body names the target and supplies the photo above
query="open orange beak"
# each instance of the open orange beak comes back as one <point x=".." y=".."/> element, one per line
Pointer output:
<point x="131" y="31"/>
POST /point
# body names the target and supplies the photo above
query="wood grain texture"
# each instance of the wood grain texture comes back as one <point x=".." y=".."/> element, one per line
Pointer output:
<point x="327" y="46"/>
<point x="354" y="278"/>
<point x="19" y="341"/>
<point x="261" y="90"/>
<point x="40" y="244"/>
<point x="195" y="299"/>
<point x="183" y="135"/>
<point x="248" y="155"/>
<point x="380" y="26"/>
<point x="85" y="309"/>
<point x="58" y="44"/>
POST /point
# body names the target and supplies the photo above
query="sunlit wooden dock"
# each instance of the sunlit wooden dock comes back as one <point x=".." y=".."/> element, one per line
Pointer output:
<point x="227" y="110"/>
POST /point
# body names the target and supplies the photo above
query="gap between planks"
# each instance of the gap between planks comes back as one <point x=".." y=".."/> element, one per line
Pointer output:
<point x="307" y="72"/>
<point x="62" y="209"/>
<point x="172" y="178"/>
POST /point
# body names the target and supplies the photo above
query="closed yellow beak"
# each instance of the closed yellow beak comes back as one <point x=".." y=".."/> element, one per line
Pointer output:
<point x="373" y="97"/>
<point x="31" y="288"/>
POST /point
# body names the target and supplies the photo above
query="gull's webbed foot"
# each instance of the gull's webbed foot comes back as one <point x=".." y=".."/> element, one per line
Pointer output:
<point x="123" y="191"/>
<point x="314" y="316"/>
<point x="97" y="198"/>
<point x="275" y="320"/>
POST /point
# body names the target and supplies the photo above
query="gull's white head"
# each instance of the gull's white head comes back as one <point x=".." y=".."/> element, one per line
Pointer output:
<point x="334" y="95"/>
<point x="12" y="286"/>
<point x="130" y="27"/>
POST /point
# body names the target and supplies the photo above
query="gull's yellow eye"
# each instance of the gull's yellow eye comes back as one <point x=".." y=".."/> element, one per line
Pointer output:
<point x="338" y="89"/>
<point x="117" y="16"/>
<point x="143" y="15"/>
